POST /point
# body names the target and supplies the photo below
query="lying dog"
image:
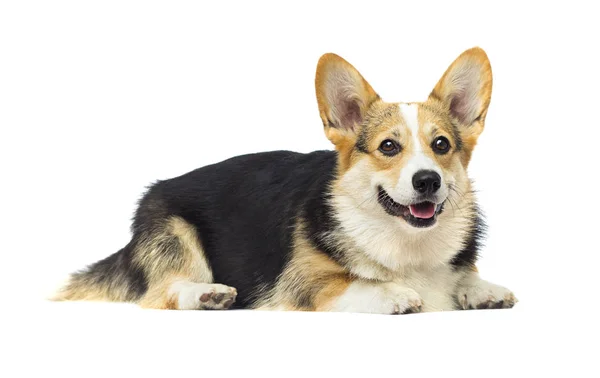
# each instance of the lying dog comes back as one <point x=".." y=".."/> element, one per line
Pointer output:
<point x="386" y="224"/>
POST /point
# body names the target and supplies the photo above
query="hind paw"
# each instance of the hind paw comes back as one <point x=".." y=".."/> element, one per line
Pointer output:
<point x="202" y="296"/>
<point x="218" y="297"/>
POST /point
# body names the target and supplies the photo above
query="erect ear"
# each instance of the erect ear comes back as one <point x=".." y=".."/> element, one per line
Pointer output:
<point x="343" y="96"/>
<point x="466" y="89"/>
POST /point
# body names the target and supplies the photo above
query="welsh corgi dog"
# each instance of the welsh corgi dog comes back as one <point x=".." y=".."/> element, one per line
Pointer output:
<point x="386" y="223"/>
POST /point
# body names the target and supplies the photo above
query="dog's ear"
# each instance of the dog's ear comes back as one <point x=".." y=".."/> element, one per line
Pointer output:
<point x="465" y="90"/>
<point x="343" y="96"/>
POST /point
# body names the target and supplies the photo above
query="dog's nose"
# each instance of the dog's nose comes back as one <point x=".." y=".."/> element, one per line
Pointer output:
<point x="426" y="182"/>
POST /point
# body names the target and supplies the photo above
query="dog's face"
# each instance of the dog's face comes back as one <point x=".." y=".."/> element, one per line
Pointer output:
<point x="406" y="160"/>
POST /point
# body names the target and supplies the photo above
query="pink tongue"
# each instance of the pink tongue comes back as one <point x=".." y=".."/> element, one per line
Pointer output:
<point x="423" y="210"/>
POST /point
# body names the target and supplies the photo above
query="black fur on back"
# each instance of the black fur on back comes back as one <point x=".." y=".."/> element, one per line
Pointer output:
<point x="245" y="210"/>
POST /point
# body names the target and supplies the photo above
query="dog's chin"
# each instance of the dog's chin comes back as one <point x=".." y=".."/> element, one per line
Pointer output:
<point x="419" y="215"/>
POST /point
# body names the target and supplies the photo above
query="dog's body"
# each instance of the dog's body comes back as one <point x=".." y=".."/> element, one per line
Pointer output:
<point x="385" y="224"/>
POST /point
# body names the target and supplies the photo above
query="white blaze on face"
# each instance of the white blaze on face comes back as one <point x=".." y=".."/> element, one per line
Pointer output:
<point x="404" y="192"/>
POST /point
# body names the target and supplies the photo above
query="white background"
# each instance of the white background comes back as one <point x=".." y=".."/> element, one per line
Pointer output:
<point x="99" y="99"/>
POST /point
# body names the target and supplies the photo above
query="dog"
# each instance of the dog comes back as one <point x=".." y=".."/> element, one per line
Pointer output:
<point x="386" y="223"/>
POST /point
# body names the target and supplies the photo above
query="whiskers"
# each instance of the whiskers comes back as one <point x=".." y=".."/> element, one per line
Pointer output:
<point x="378" y="196"/>
<point x="455" y="197"/>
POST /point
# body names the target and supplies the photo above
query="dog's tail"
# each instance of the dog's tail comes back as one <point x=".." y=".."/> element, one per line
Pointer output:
<point x="116" y="278"/>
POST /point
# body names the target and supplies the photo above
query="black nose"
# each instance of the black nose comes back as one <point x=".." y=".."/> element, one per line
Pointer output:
<point x="426" y="182"/>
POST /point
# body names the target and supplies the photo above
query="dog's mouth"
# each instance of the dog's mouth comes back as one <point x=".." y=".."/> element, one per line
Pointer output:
<point x="421" y="214"/>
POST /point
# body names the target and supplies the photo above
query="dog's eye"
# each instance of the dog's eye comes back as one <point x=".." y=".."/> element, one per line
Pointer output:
<point x="440" y="145"/>
<point x="389" y="147"/>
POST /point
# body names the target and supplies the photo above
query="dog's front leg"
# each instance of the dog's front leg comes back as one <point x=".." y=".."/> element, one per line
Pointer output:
<point x="377" y="298"/>
<point x="475" y="293"/>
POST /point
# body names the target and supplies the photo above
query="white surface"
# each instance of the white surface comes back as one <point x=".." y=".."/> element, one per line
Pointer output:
<point x="121" y="340"/>
<point x="98" y="100"/>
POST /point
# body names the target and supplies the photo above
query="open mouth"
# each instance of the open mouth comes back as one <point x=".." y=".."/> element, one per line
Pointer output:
<point x="421" y="214"/>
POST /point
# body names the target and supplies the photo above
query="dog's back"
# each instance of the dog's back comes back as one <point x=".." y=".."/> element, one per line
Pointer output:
<point x="227" y="222"/>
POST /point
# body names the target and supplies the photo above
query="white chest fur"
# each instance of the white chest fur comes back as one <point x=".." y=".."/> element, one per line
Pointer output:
<point x="380" y="247"/>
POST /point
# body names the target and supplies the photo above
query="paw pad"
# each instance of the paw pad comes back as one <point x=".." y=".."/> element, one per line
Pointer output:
<point x="218" y="299"/>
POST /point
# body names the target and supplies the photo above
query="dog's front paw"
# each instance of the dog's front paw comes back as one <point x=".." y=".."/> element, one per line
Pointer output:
<point x="379" y="298"/>
<point x="483" y="294"/>
<point x="403" y="299"/>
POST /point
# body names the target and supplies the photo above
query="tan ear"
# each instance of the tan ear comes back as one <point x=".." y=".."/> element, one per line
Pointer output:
<point x="343" y="96"/>
<point x="466" y="90"/>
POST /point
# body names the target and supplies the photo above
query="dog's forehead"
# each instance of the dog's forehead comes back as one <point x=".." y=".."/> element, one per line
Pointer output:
<point x="424" y="117"/>
<point x="382" y="118"/>
<point x="436" y="120"/>
<point x="417" y="121"/>
<point x="383" y="115"/>
<point x="403" y="118"/>
<point x="410" y="115"/>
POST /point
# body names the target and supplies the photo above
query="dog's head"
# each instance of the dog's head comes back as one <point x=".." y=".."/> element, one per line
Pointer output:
<point x="408" y="160"/>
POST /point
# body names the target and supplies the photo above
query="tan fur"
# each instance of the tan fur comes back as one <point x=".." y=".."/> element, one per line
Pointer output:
<point x="190" y="264"/>
<point x="475" y="59"/>
<point x="344" y="146"/>
<point x="79" y="289"/>
<point x="383" y="122"/>
<point x="336" y="78"/>
<point x="335" y="286"/>
<point x="158" y="296"/>
<point x="186" y="261"/>
<point x="168" y="255"/>
<point x="311" y="275"/>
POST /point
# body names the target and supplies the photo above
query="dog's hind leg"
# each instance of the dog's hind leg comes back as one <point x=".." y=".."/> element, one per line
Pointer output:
<point x="163" y="267"/>
<point x="177" y="271"/>
<point x="181" y="294"/>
